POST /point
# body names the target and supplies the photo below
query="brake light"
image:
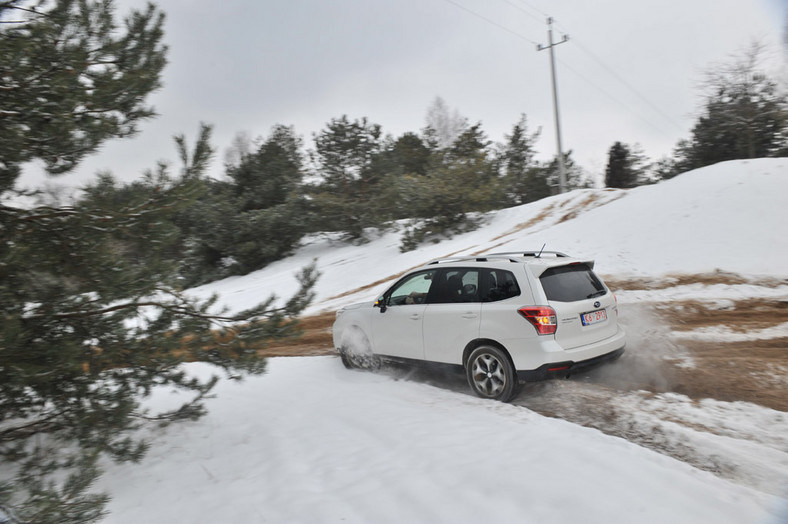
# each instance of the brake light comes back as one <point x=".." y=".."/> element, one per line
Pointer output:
<point x="542" y="317"/>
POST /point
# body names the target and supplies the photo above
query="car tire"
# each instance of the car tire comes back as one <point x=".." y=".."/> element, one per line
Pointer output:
<point x="345" y="360"/>
<point x="491" y="374"/>
<point x="356" y="352"/>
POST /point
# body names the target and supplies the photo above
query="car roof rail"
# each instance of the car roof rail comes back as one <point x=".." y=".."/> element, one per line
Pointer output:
<point x="480" y="258"/>
<point x="532" y="254"/>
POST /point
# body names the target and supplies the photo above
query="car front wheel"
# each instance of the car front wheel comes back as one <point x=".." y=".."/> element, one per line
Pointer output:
<point x="356" y="352"/>
<point x="491" y="374"/>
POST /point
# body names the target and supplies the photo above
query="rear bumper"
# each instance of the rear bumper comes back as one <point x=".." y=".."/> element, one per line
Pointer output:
<point x="566" y="368"/>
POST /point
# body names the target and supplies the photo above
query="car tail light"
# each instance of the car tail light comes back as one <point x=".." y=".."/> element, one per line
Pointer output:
<point x="543" y="318"/>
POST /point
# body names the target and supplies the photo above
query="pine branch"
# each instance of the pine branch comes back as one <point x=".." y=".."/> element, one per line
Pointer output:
<point x="39" y="425"/>
<point x="181" y="309"/>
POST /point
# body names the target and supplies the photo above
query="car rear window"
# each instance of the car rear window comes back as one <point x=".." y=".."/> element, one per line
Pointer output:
<point x="571" y="283"/>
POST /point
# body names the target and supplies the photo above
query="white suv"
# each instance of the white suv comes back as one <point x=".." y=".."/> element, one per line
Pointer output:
<point x="505" y="318"/>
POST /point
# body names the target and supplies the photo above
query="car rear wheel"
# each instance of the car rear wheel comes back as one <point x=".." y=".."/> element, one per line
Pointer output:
<point x="491" y="374"/>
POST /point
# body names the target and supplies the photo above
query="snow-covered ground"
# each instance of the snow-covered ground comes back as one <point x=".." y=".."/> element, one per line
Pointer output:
<point x="312" y="442"/>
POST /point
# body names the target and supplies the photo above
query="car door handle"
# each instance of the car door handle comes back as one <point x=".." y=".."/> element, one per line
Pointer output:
<point x="469" y="315"/>
<point x="415" y="316"/>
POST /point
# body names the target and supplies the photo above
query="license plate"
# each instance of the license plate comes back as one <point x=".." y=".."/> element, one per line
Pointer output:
<point x="594" y="317"/>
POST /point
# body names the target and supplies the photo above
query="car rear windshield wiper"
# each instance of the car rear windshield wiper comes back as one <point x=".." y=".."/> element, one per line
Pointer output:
<point x="597" y="294"/>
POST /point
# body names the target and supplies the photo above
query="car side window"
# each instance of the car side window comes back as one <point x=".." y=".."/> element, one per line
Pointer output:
<point x="499" y="284"/>
<point x="412" y="289"/>
<point x="455" y="285"/>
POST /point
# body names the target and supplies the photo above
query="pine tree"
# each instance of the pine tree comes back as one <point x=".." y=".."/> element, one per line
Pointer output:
<point x="442" y="201"/>
<point x="745" y="115"/>
<point x="624" y="166"/>
<point x="267" y="177"/>
<point x="520" y="172"/>
<point x="469" y="144"/>
<point x="92" y="317"/>
<point x="461" y="180"/>
<point x="345" y="154"/>
<point x="410" y="155"/>
<point x="64" y="75"/>
<point x="270" y="215"/>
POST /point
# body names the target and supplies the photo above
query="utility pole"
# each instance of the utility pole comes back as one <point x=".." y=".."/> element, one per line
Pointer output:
<point x="550" y="46"/>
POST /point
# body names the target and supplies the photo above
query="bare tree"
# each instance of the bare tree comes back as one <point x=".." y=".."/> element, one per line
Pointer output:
<point x="443" y="125"/>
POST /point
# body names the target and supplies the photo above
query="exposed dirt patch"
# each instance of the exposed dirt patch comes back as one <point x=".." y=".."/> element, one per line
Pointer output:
<point x="546" y="213"/>
<point x="315" y="339"/>
<point x="674" y="280"/>
<point x="578" y="208"/>
<point x="753" y="371"/>
<point x="741" y="317"/>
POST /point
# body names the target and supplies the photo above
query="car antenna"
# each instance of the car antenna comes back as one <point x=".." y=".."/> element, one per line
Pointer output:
<point x="539" y="255"/>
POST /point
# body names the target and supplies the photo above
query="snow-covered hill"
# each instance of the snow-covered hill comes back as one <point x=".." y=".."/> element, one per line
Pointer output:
<point x="728" y="217"/>
<point x="312" y="442"/>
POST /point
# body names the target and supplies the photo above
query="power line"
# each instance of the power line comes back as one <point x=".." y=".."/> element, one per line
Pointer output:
<point x="628" y="85"/>
<point x="490" y="21"/>
<point x="615" y="99"/>
<point x="541" y="13"/>
<point x="519" y="8"/>
<point x="583" y="48"/>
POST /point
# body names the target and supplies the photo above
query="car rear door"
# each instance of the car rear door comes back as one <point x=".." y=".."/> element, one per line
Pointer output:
<point x="453" y="314"/>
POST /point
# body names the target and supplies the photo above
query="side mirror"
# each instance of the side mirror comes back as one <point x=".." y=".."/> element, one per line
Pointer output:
<point x="381" y="303"/>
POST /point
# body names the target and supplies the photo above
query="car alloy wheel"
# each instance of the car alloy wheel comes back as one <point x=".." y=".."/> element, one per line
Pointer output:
<point x="491" y="374"/>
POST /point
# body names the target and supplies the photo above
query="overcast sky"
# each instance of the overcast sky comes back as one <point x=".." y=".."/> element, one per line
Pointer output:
<point x="629" y="72"/>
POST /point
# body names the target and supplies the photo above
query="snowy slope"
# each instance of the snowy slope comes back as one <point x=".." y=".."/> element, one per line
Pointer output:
<point x="312" y="442"/>
<point x="728" y="217"/>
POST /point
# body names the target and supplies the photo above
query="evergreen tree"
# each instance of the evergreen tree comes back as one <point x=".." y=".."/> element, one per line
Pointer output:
<point x="92" y="317"/>
<point x="745" y="115"/>
<point x="624" y="166"/>
<point x="268" y="177"/>
<point x="208" y="233"/>
<point x="66" y="75"/>
<point x="346" y="196"/>
<point x="519" y="169"/>
<point x="410" y="155"/>
<point x="442" y="201"/>
<point x="469" y="144"/>
<point x="406" y="156"/>
<point x="272" y="216"/>
<point x="542" y="180"/>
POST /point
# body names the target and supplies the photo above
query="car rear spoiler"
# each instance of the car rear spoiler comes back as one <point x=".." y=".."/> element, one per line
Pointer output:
<point x="551" y="263"/>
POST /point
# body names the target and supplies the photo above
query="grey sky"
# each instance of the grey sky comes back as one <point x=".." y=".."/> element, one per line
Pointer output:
<point x="629" y="72"/>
